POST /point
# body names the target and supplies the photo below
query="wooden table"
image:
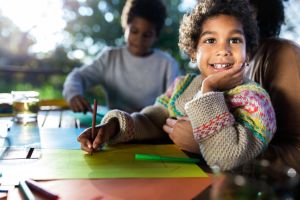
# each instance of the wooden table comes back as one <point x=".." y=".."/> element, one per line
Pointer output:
<point x="127" y="188"/>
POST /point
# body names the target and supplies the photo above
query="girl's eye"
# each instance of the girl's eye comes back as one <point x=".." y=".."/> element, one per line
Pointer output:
<point x="209" y="41"/>
<point x="235" y="40"/>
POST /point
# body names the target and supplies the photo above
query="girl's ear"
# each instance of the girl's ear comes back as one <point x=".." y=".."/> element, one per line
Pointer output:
<point x="248" y="58"/>
<point x="247" y="61"/>
<point x="193" y="57"/>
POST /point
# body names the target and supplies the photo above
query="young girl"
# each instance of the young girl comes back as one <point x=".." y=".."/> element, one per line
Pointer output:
<point x="180" y="130"/>
<point x="232" y="118"/>
<point x="134" y="75"/>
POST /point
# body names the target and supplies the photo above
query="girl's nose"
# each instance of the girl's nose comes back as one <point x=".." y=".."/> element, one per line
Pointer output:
<point x="224" y="50"/>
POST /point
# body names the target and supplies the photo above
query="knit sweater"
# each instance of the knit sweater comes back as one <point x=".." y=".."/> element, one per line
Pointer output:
<point x="231" y="127"/>
<point x="130" y="82"/>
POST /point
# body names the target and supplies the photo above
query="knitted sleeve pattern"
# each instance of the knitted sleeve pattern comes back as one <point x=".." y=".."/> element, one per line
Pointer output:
<point x="232" y="127"/>
<point x="125" y="123"/>
<point x="139" y="126"/>
<point x="252" y="106"/>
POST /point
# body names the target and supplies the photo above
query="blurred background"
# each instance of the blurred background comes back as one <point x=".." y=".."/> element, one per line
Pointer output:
<point x="42" y="40"/>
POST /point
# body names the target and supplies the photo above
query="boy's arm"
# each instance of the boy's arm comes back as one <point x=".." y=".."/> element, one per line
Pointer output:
<point x="85" y="77"/>
<point x="231" y="139"/>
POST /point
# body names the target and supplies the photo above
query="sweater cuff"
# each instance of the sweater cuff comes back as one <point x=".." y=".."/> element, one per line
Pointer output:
<point x="208" y="114"/>
<point x="126" y="125"/>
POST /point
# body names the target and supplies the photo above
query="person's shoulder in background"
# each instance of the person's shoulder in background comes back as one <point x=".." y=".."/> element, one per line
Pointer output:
<point x="276" y="66"/>
<point x="274" y="55"/>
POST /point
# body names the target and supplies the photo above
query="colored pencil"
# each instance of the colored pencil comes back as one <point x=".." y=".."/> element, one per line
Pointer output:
<point x="94" y="119"/>
<point x="34" y="186"/>
<point x="25" y="191"/>
<point x="165" y="158"/>
<point x="94" y="123"/>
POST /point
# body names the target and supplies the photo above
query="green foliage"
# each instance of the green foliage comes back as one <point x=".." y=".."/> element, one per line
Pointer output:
<point x="49" y="88"/>
<point x="92" y="29"/>
<point x="90" y="25"/>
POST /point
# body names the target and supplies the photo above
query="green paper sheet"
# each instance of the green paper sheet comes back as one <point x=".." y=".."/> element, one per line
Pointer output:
<point x="113" y="162"/>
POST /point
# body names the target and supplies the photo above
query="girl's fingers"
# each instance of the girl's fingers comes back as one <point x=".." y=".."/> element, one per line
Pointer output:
<point x="86" y="147"/>
<point x="171" y="122"/>
<point x="167" y="129"/>
<point x="237" y="73"/>
<point x="84" y="139"/>
<point x="85" y="143"/>
<point x="99" y="139"/>
<point x="236" y="70"/>
<point x="237" y="76"/>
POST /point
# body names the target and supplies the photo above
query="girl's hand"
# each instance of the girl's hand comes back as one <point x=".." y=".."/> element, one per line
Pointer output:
<point x="224" y="80"/>
<point x="180" y="131"/>
<point x="103" y="134"/>
<point x="79" y="104"/>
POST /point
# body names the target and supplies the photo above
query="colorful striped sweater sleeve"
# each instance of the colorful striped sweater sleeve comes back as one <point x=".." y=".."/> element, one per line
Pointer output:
<point x="232" y="127"/>
<point x="251" y="105"/>
<point x="170" y="97"/>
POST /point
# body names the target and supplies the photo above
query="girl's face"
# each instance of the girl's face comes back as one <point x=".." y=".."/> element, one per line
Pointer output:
<point x="140" y="35"/>
<point x="221" y="45"/>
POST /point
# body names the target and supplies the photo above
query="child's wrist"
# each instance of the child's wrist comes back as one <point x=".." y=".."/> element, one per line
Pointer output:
<point x="206" y="87"/>
<point x="114" y="127"/>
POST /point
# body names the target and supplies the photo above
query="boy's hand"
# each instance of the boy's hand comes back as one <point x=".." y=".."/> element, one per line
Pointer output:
<point x="224" y="80"/>
<point x="79" y="104"/>
<point x="103" y="133"/>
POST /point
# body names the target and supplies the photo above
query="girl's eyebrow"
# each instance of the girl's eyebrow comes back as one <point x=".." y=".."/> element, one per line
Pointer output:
<point x="206" y="33"/>
<point x="235" y="31"/>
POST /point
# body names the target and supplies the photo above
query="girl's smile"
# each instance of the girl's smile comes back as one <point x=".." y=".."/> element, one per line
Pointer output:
<point x="221" y="66"/>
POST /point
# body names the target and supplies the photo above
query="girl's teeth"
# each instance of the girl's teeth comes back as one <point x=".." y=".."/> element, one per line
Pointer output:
<point x="220" y="66"/>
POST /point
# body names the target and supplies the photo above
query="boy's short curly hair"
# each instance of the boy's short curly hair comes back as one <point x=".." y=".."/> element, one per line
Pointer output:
<point x="191" y="24"/>
<point x="269" y="16"/>
<point x="152" y="10"/>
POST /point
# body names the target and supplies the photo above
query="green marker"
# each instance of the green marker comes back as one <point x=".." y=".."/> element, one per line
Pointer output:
<point x="165" y="158"/>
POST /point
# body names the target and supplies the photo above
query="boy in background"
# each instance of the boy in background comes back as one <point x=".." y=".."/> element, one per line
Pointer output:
<point x="133" y="75"/>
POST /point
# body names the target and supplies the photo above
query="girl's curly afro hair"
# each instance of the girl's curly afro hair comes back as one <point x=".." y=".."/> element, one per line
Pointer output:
<point x="191" y="24"/>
